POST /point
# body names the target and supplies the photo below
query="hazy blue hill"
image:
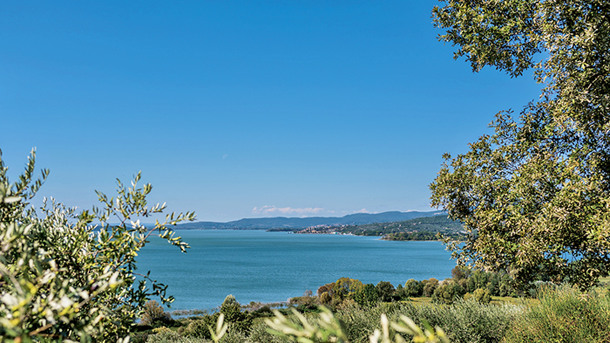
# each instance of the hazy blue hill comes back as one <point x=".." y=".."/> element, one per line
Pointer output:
<point x="301" y="223"/>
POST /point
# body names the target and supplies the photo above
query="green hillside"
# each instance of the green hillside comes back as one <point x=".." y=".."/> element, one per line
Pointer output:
<point x="425" y="228"/>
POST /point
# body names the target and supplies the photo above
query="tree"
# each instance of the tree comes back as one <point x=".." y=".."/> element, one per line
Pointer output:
<point x="367" y="295"/>
<point x="64" y="278"/>
<point x="459" y="273"/>
<point x="428" y="286"/>
<point x="534" y="196"/>
<point x="447" y="292"/>
<point x="153" y="313"/>
<point x="481" y="295"/>
<point x="238" y="320"/>
<point x="327" y="288"/>
<point x="413" y="288"/>
<point x="386" y="291"/>
<point x="231" y="309"/>
<point x="345" y="288"/>
<point x="325" y="298"/>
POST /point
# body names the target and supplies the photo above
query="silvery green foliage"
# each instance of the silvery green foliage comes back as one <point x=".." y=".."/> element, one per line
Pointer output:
<point x="220" y="330"/>
<point x="325" y="327"/>
<point x="64" y="278"/>
<point x="392" y="332"/>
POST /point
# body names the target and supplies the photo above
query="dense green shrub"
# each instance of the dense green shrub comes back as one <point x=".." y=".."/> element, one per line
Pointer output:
<point x="325" y="298"/>
<point x="470" y="321"/>
<point x="164" y="335"/>
<point x="235" y="335"/>
<point x="447" y="292"/>
<point x="367" y="295"/>
<point x="360" y="322"/>
<point x="413" y="288"/>
<point x="481" y="295"/>
<point x="428" y="287"/>
<point x="564" y="315"/>
<point x="464" y="321"/>
<point x="386" y="291"/>
<point x="304" y="303"/>
<point x="154" y="315"/>
<point x="399" y="294"/>
<point x="335" y="293"/>
<point x="327" y="288"/>
<point x="238" y="320"/>
<point x="498" y="283"/>
<point x="262" y="311"/>
<point x="200" y="327"/>
<point x="259" y="333"/>
<point x="231" y="309"/>
<point x="346" y="287"/>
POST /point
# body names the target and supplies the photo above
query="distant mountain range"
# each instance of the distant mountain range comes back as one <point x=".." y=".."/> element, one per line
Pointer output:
<point x="301" y="223"/>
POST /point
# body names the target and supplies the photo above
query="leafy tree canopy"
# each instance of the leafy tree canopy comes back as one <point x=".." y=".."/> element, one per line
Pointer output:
<point x="346" y="287"/>
<point x="535" y="194"/>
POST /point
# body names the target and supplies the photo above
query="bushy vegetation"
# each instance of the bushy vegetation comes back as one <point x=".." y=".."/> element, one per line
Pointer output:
<point x="448" y="292"/>
<point x="72" y="276"/>
<point x="565" y="314"/>
<point x="469" y="317"/>
<point x="558" y="314"/>
<point x="198" y="327"/>
<point x="463" y="321"/>
<point x="464" y="283"/>
<point x="154" y="315"/>
<point x="481" y="295"/>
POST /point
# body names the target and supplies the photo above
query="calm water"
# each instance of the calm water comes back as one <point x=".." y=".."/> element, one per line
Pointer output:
<point x="274" y="266"/>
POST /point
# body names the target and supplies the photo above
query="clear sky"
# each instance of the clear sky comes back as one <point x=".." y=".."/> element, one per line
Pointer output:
<point x="241" y="108"/>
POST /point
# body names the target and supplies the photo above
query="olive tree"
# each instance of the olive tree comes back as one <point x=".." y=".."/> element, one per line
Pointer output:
<point x="68" y="276"/>
<point x="535" y="194"/>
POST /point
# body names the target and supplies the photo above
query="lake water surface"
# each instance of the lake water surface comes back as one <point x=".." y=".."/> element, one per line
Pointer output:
<point x="274" y="266"/>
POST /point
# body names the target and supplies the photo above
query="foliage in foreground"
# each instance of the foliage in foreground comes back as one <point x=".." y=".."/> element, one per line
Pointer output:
<point x="63" y="278"/>
<point x="463" y="321"/>
<point x="327" y="328"/>
<point x="563" y="314"/>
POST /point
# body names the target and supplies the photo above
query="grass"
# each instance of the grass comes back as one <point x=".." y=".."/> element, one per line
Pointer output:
<point x="494" y="300"/>
<point x="513" y="301"/>
<point x="419" y="300"/>
<point x="564" y="315"/>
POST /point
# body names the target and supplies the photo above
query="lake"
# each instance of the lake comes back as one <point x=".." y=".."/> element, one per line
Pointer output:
<point x="274" y="266"/>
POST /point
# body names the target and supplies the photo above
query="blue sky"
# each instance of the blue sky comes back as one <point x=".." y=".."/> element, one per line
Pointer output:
<point x="241" y="108"/>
